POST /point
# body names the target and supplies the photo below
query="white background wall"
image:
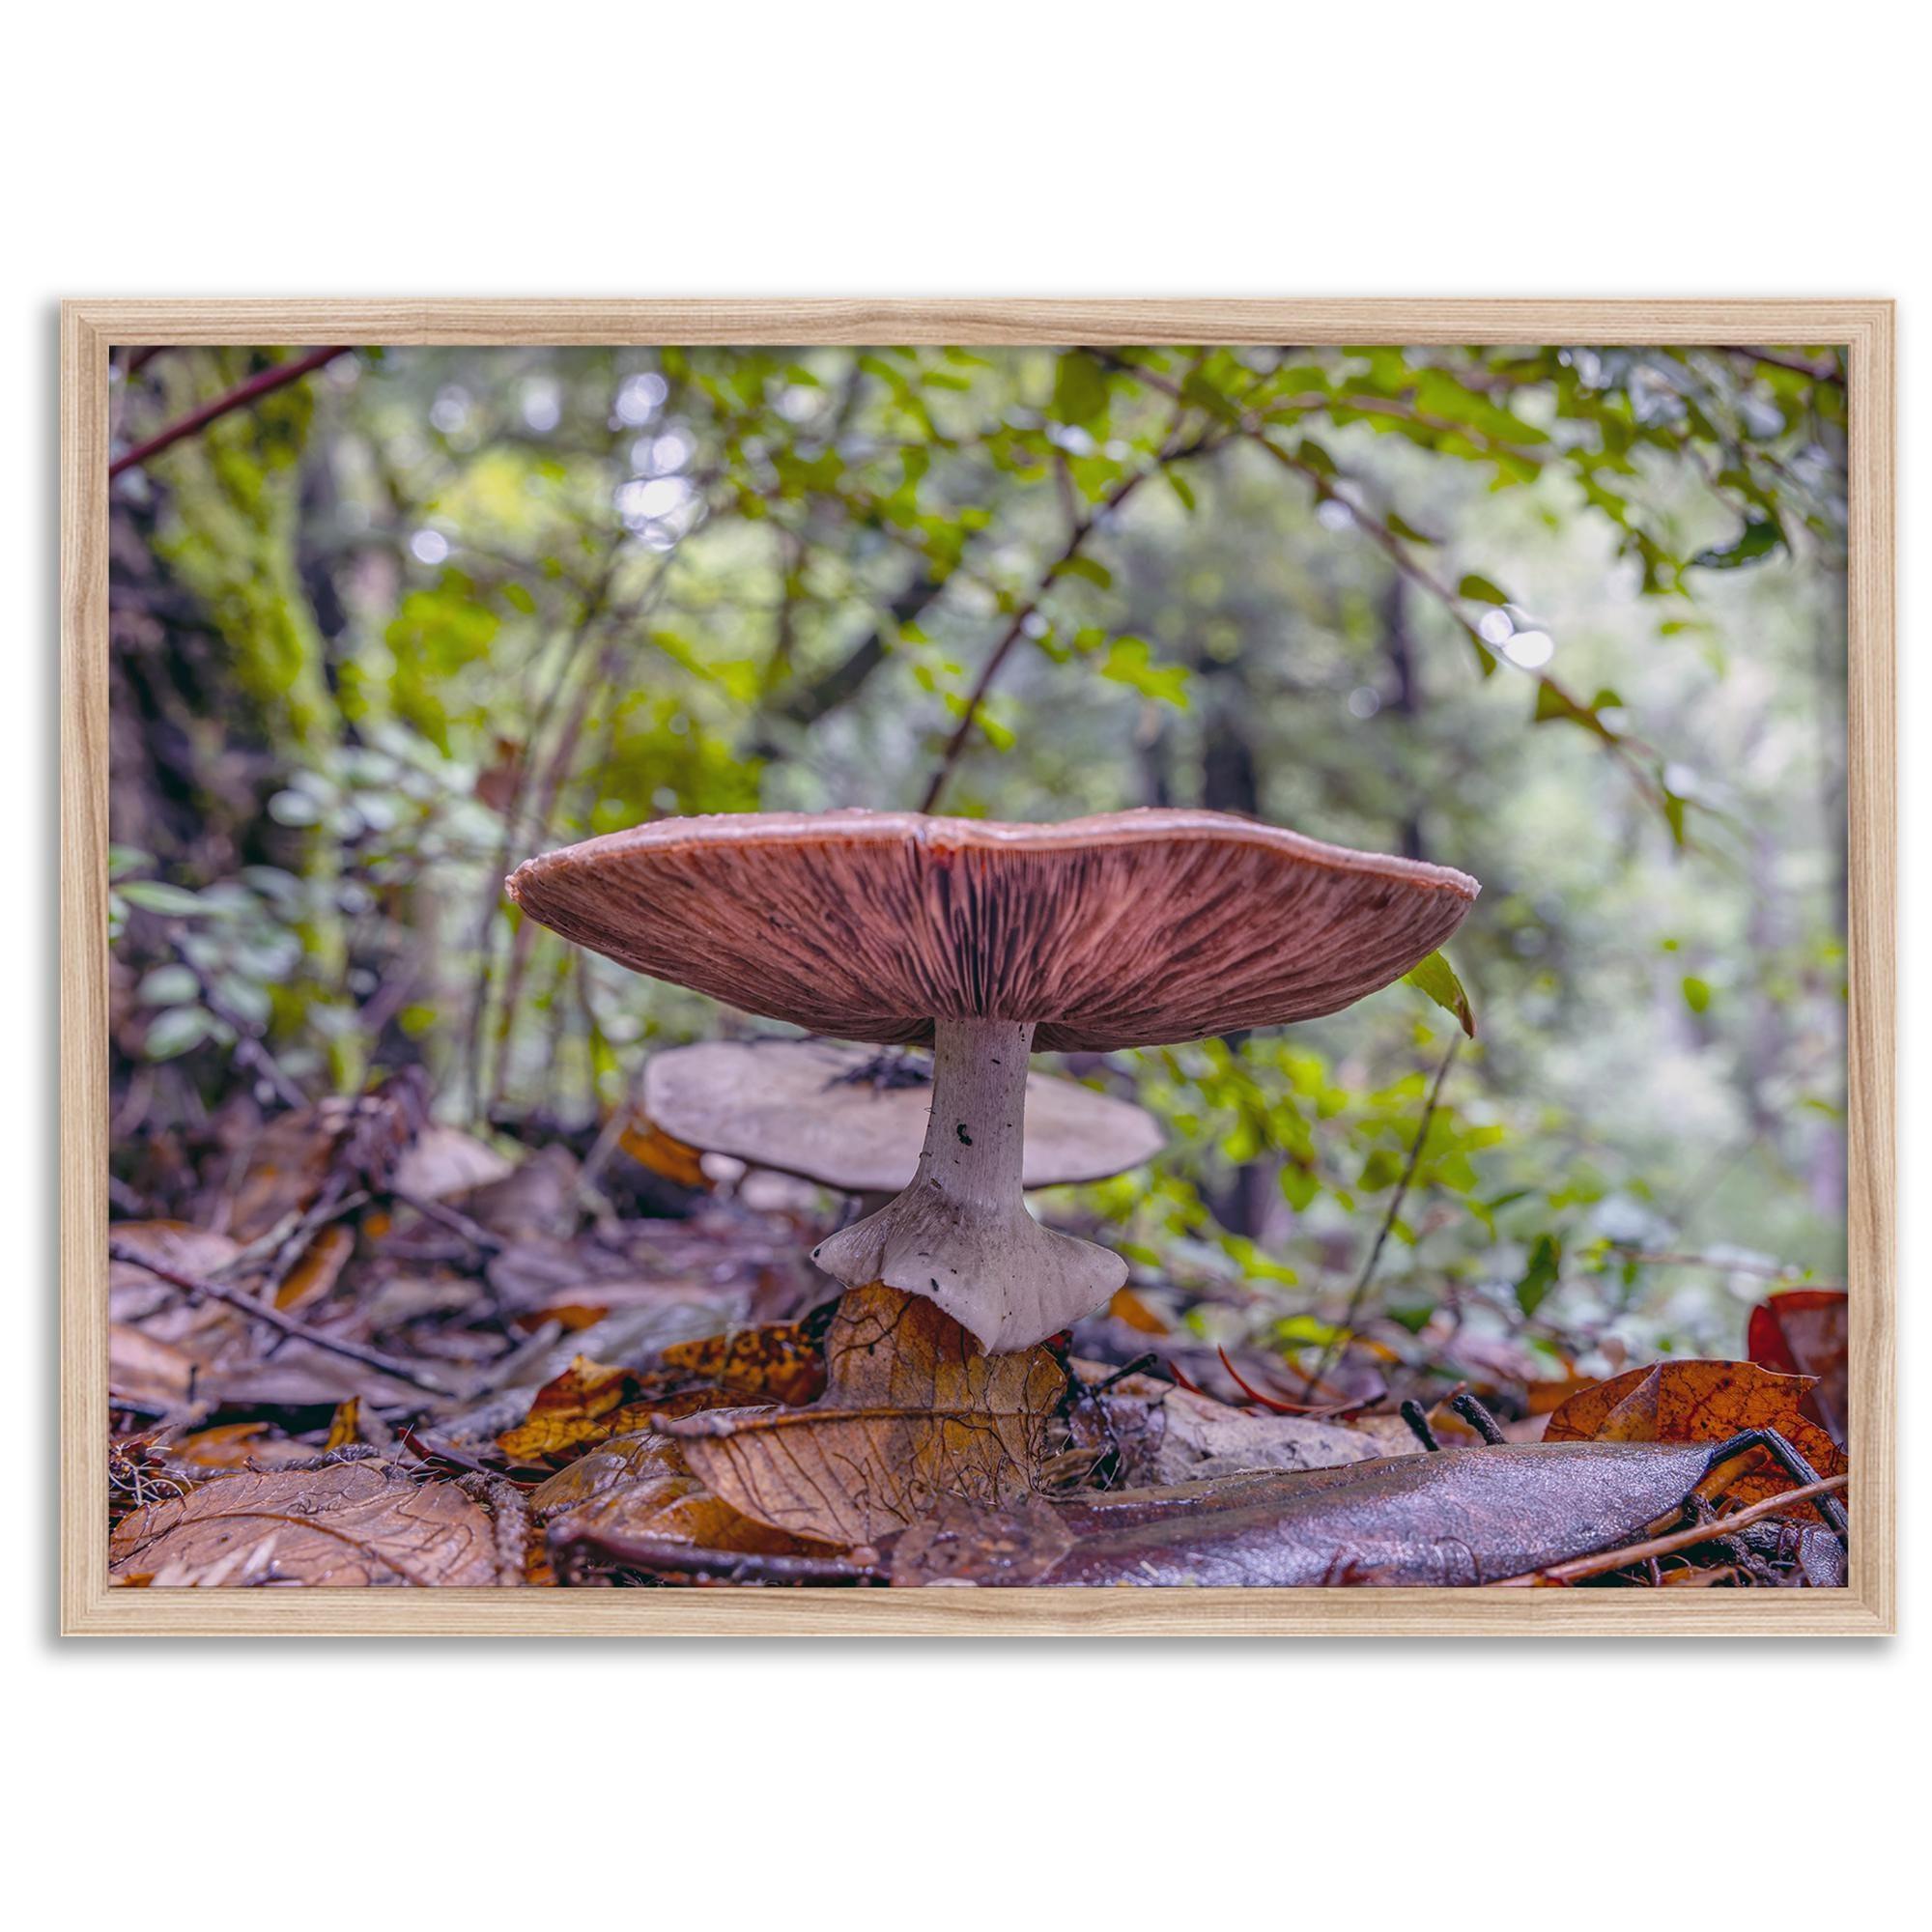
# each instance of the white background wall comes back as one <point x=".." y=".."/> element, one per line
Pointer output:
<point x="603" y="149"/>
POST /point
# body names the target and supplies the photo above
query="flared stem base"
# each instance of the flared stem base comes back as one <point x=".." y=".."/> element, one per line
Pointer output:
<point x="959" y="1234"/>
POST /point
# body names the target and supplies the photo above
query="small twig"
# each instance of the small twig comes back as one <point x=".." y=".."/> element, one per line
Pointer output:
<point x="477" y="1235"/>
<point x="1606" y="1560"/>
<point x="237" y="398"/>
<point x="1477" y="1417"/>
<point x="283" y="1245"/>
<point x="1082" y="528"/>
<point x="261" y="1311"/>
<point x="1150" y="1361"/>
<point x="1344" y="1331"/>
<point x="1417" y="1418"/>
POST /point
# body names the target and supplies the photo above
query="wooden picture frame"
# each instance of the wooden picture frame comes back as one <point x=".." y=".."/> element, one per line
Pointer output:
<point x="92" y="327"/>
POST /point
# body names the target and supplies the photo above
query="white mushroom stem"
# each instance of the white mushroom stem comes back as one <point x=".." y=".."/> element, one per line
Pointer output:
<point x="960" y="1234"/>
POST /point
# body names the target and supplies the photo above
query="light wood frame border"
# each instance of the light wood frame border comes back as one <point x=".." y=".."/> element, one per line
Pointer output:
<point x="90" y="328"/>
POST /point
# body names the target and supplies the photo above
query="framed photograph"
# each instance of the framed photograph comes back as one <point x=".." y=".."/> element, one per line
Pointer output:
<point x="978" y="967"/>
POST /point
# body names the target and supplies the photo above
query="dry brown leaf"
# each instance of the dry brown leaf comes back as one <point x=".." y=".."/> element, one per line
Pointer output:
<point x="779" y="1361"/>
<point x="1129" y="1307"/>
<point x="173" y="1244"/>
<point x="1806" y="1331"/>
<point x="151" y="1373"/>
<point x="589" y="1403"/>
<point x="319" y="1268"/>
<point x="914" y="1411"/>
<point x="446" y="1161"/>
<point x="638" y="1488"/>
<point x="242" y="1445"/>
<point x="652" y="1149"/>
<point x="1699" y="1401"/>
<point x="346" y="1526"/>
<point x="1205" y="1437"/>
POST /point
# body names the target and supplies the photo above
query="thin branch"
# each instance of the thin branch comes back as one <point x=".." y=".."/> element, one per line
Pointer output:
<point x="1347" y="1326"/>
<point x="1606" y="1560"/>
<point x="1404" y="559"/>
<point x="1083" y="527"/>
<point x="262" y="1311"/>
<point x="237" y="398"/>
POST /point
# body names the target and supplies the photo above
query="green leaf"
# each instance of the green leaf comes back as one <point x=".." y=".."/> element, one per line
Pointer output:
<point x="1130" y="662"/>
<point x="1760" y="538"/>
<point x="1545" y="1264"/>
<point x="168" y="986"/>
<point x="176" y="1029"/>
<point x="1697" y="993"/>
<point x="1085" y="566"/>
<point x="1481" y="589"/>
<point x="1181" y="488"/>
<point x="151" y="895"/>
<point x="1437" y="978"/>
<point x="1079" y="388"/>
<point x="1403" y="529"/>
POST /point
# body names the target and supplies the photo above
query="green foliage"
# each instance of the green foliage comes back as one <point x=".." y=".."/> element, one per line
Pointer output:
<point x="464" y="604"/>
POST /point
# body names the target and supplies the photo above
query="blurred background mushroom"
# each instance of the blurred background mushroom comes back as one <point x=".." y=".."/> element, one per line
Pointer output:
<point x="852" y="1118"/>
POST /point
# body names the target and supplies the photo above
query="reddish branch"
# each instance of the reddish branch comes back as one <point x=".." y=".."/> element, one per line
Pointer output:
<point x="237" y="398"/>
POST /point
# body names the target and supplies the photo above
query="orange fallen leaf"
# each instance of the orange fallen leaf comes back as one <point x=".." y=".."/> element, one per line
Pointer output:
<point x="651" y="1148"/>
<point x="590" y="1403"/>
<point x="319" y="1268"/>
<point x="242" y="1445"/>
<point x="1127" y="1306"/>
<point x="1700" y="1400"/>
<point x="776" y="1362"/>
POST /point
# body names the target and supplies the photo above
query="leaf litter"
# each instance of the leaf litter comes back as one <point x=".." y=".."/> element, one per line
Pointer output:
<point x="380" y="1352"/>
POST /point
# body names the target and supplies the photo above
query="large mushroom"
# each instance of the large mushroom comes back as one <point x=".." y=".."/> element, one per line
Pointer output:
<point x="853" y="1116"/>
<point x="1130" y="929"/>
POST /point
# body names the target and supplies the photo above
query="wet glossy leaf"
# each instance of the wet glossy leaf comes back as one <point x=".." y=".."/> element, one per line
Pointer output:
<point x="1458" y="1517"/>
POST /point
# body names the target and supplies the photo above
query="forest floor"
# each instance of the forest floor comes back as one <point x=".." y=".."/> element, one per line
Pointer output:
<point x="351" y="1346"/>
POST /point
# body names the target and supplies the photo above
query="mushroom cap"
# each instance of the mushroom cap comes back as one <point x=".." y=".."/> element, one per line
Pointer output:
<point x="795" y="1105"/>
<point x="1130" y="929"/>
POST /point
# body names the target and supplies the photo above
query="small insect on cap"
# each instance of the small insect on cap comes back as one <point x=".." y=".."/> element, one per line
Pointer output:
<point x="1130" y="929"/>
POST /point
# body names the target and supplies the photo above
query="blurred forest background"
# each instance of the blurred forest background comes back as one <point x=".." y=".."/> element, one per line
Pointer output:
<point x="1570" y="619"/>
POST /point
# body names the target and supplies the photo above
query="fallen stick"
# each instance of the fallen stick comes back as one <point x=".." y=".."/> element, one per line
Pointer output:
<point x="1606" y="1560"/>
<point x="260" y="1311"/>
<point x="729" y="1566"/>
